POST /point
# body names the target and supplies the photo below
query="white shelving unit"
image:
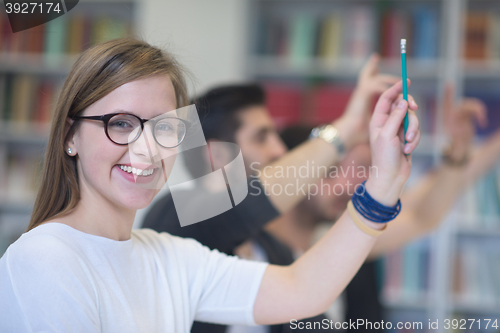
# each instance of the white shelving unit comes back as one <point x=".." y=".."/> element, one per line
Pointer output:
<point x="275" y="67"/>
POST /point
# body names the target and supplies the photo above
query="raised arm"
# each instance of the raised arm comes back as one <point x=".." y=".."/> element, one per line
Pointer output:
<point x="308" y="286"/>
<point x="484" y="157"/>
<point x="426" y="204"/>
<point x="353" y="128"/>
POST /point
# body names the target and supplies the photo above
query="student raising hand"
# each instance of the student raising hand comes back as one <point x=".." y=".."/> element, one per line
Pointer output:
<point x="310" y="285"/>
<point x="79" y="265"/>
<point x="371" y="81"/>
<point x="390" y="154"/>
<point x="428" y="202"/>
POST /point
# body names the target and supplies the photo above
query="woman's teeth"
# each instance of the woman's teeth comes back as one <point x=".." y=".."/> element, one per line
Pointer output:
<point x="136" y="172"/>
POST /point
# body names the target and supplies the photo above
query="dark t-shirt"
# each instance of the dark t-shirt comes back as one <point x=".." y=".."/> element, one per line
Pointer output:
<point x="223" y="232"/>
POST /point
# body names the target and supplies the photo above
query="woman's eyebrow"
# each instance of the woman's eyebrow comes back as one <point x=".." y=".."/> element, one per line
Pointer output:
<point x="171" y="113"/>
<point x="137" y="115"/>
<point x="126" y="111"/>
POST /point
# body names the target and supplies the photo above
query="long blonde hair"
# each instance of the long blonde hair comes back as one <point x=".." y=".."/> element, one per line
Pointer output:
<point x="96" y="73"/>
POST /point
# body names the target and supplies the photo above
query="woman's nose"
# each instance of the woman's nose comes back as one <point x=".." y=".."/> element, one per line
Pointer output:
<point x="145" y="145"/>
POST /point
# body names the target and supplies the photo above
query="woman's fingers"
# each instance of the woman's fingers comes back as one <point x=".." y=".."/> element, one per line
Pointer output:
<point x="410" y="146"/>
<point x="413" y="124"/>
<point x="412" y="104"/>
<point x="395" y="119"/>
<point x="390" y="112"/>
<point x="390" y="95"/>
<point x="384" y="105"/>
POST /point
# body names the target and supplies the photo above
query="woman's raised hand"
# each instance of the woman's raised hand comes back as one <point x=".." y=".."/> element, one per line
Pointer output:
<point x="391" y="157"/>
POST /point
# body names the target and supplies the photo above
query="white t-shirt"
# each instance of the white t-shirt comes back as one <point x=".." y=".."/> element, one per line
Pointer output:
<point x="57" y="279"/>
<point x="335" y="312"/>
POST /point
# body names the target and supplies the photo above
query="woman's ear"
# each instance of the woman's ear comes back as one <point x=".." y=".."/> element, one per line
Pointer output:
<point x="70" y="146"/>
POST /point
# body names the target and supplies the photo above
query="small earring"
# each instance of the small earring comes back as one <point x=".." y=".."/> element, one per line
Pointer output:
<point x="69" y="151"/>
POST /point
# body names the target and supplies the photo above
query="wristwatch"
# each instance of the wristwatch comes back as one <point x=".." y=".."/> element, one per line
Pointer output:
<point x="331" y="135"/>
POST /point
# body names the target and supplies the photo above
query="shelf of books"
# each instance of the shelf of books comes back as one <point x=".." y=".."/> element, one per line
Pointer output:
<point x="482" y="40"/>
<point x="325" y="39"/>
<point x="475" y="257"/>
<point x="475" y="254"/>
<point x="307" y="54"/>
<point x="33" y="66"/>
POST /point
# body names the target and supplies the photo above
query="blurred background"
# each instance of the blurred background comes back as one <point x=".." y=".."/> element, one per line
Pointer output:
<point x="307" y="54"/>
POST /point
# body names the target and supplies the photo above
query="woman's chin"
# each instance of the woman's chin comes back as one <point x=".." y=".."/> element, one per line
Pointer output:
<point x="141" y="200"/>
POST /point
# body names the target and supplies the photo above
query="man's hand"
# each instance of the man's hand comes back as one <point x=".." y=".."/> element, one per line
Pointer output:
<point x="459" y="122"/>
<point x="370" y="81"/>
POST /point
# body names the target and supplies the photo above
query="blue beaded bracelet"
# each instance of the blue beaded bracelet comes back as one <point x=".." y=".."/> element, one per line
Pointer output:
<point x="372" y="210"/>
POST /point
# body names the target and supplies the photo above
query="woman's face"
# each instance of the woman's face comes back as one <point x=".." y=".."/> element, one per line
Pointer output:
<point x="103" y="165"/>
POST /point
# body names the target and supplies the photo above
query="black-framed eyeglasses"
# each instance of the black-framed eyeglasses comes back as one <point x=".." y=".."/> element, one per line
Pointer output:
<point x="126" y="128"/>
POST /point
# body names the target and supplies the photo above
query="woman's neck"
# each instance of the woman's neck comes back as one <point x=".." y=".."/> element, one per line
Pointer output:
<point x="101" y="218"/>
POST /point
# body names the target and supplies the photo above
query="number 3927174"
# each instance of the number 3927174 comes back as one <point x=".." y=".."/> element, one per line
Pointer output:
<point x="32" y="7"/>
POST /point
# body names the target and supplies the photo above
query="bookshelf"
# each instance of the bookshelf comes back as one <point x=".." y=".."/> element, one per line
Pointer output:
<point x="308" y="53"/>
<point x="475" y="231"/>
<point x="33" y="66"/>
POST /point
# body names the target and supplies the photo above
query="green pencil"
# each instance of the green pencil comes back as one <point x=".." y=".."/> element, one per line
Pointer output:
<point x="405" y="84"/>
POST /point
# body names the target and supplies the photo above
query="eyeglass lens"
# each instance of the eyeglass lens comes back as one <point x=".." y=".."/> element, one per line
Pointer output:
<point x="125" y="129"/>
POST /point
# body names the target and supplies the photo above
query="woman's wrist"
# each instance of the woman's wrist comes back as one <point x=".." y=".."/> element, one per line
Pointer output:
<point x="387" y="195"/>
<point x="370" y="214"/>
<point x="365" y="225"/>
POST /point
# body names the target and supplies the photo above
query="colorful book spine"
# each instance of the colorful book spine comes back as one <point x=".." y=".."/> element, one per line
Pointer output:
<point x="330" y="42"/>
<point x="61" y="36"/>
<point x="26" y="99"/>
<point x="301" y="40"/>
<point x="476" y="35"/>
<point x="406" y="273"/>
<point x="351" y="34"/>
<point x="425" y="36"/>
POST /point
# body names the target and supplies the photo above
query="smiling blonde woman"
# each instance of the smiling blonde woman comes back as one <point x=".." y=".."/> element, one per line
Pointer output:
<point x="81" y="267"/>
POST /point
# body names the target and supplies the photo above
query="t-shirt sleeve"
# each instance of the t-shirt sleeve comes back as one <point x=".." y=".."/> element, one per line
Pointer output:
<point x="223" y="232"/>
<point x="223" y="287"/>
<point x="43" y="288"/>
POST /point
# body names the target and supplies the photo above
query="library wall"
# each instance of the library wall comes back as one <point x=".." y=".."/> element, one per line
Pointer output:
<point x="208" y="36"/>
